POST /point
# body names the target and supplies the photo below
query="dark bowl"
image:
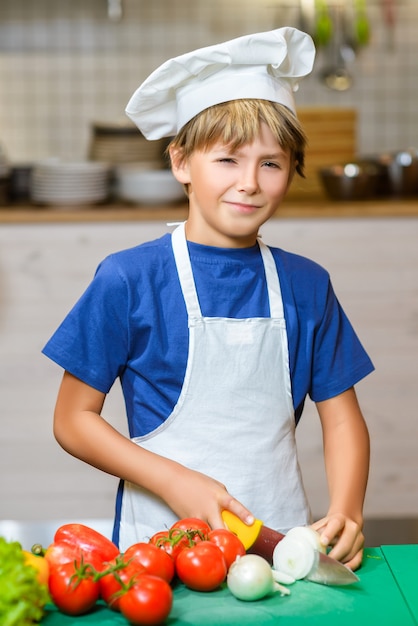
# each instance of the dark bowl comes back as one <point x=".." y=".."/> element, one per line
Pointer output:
<point x="399" y="172"/>
<point x="350" y="181"/>
<point x="403" y="173"/>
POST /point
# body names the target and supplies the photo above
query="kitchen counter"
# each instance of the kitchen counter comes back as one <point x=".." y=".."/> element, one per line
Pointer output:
<point x="27" y="214"/>
<point x="385" y="595"/>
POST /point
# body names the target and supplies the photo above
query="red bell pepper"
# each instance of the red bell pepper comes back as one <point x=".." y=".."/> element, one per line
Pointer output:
<point x="80" y="543"/>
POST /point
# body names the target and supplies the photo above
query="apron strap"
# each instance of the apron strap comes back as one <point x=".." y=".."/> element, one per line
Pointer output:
<point x="273" y="282"/>
<point x="185" y="273"/>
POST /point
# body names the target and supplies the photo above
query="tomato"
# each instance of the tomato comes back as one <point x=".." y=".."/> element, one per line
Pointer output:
<point x="201" y="567"/>
<point x="171" y="541"/>
<point x="154" y="560"/>
<point x="197" y="528"/>
<point x="112" y="583"/>
<point x="230" y="545"/>
<point x="73" y="589"/>
<point x="148" y="601"/>
<point x="40" y="564"/>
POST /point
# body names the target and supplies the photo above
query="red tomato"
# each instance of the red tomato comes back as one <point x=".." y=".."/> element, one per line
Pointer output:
<point x="201" y="567"/>
<point x="112" y="583"/>
<point x="230" y="545"/>
<point x="154" y="560"/>
<point x="198" y="528"/>
<point x="171" y="541"/>
<point x="148" y="602"/>
<point x="72" y="595"/>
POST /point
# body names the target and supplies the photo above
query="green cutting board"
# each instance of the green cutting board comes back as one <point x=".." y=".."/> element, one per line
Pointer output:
<point x="403" y="563"/>
<point x="375" y="600"/>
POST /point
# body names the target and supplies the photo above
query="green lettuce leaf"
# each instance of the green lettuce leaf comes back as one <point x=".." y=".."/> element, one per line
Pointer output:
<point x="22" y="597"/>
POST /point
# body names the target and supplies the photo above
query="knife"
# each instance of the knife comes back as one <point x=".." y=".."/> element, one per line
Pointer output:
<point x="261" y="540"/>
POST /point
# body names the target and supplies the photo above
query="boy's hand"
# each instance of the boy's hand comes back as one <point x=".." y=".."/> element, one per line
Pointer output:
<point x="193" y="494"/>
<point x="345" y="536"/>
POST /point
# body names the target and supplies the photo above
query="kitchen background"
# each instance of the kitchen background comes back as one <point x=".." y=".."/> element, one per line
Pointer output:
<point x="66" y="64"/>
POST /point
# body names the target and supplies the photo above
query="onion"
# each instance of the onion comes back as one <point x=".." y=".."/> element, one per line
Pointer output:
<point x="250" y="577"/>
<point x="307" y="533"/>
<point x="296" y="554"/>
<point x="293" y="557"/>
<point x="281" y="577"/>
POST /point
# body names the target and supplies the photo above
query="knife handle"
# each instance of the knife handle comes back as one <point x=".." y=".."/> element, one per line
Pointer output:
<point x="247" y="534"/>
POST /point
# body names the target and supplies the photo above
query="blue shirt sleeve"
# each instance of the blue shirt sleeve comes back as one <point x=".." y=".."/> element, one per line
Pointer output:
<point x="92" y="343"/>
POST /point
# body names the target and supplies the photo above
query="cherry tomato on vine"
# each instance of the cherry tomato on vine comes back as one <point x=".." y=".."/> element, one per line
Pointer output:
<point x="112" y="583"/>
<point x="230" y="545"/>
<point x="198" y="528"/>
<point x="201" y="567"/>
<point x="73" y="589"/>
<point x="170" y="541"/>
<point x="148" y="601"/>
<point x="154" y="560"/>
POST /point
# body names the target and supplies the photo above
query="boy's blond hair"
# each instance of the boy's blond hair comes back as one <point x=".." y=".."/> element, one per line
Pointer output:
<point x="236" y="123"/>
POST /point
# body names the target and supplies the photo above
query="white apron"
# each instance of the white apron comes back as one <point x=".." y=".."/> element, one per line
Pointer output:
<point x="234" y="418"/>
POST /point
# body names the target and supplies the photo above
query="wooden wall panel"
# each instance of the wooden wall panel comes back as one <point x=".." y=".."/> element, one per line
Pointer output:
<point x="331" y="139"/>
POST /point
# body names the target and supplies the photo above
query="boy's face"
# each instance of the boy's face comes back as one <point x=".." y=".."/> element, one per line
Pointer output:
<point x="232" y="194"/>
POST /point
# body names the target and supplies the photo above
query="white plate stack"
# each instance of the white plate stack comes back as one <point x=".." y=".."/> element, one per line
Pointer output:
<point x="69" y="183"/>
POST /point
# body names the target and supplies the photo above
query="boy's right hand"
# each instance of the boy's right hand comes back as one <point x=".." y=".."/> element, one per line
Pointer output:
<point x="192" y="494"/>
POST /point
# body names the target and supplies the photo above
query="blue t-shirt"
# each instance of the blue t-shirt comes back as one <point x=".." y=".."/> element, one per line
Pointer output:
<point x="131" y="324"/>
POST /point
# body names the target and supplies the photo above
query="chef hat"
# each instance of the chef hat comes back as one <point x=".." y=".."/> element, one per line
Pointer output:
<point x="265" y="66"/>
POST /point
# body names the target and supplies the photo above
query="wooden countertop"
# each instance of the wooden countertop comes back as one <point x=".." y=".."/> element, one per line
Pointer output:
<point x="119" y="212"/>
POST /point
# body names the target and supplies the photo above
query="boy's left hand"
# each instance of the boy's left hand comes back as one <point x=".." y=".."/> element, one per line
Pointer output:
<point x="345" y="536"/>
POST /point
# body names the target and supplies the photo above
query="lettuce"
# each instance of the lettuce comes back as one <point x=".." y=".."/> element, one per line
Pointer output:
<point x="22" y="597"/>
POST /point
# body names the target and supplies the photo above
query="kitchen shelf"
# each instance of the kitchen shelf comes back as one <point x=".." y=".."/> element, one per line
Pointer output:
<point x="119" y="212"/>
<point x="295" y="4"/>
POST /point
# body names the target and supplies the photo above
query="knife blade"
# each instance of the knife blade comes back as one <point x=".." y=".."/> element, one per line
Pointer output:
<point x="261" y="540"/>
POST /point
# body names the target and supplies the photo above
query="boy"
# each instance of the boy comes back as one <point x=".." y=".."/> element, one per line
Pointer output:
<point x="217" y="338"/>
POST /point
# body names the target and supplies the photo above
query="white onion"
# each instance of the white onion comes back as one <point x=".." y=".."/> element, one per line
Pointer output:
<point x="293" y="557"/>
<point x="296" y="553"/>
<point x="281" y="577"/>
<point x="308" y="533"/>
<point x="250" y="577"/>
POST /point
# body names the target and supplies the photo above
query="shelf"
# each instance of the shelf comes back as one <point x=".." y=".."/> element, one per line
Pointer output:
<point x="27" y="214"/>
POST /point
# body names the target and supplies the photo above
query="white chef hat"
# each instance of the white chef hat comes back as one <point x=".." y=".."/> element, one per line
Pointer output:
<point x="265" y="66"/>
